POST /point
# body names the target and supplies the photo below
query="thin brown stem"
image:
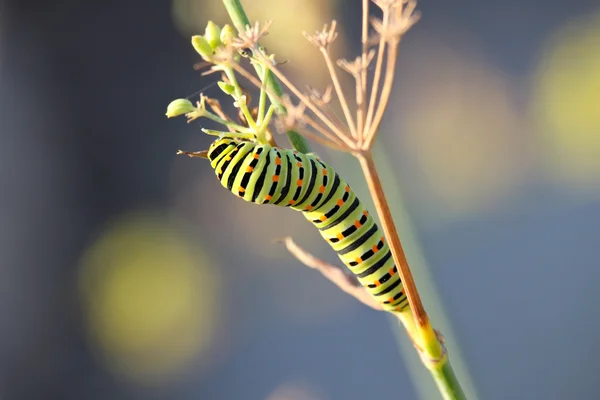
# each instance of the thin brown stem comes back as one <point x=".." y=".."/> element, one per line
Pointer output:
<point x="390" y="71"/>
<point x="323" y="131"/>
<point x="329" y="142"/>
<point x="338" y="91"/>
<point x="337" y="276"/>
<point x="359" y="115"/>
<point x="389" y="228"/>
<point x="333" y="116"/>
<point x="328" y="110"/>
<point x="377" y="74"/>
<point x="361" y="92"/>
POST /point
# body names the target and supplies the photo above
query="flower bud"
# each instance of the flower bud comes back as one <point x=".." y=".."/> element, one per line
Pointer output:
<point x="227" y="34"/>
<point x="212" y="34"/>
<point x="202" y="46"/>
<point x="226" y="87"/>
<point x="179" y="107"/>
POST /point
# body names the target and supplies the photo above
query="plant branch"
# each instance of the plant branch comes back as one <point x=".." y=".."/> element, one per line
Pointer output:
<point x="390" y="71"/>
<point x="338" y="90"/>
<point x="377" y="74"/>
<point x="361" y="91"/>
<point x="389" y="228"/>
<point x="348" y="284"/>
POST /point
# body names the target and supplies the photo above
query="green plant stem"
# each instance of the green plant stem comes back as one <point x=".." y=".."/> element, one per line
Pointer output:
<point x="240" y="21"/>
<point x="239" y="96"/>
<point x="446" y="381"/>
<point x="262" y="101"/>
<point x="441" y="371"/>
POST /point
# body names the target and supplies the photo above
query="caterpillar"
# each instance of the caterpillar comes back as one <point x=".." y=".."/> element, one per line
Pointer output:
<point x="262" y="174"/>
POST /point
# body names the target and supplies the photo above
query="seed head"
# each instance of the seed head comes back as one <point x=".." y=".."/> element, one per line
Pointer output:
<point x="252" y="35"/>
<point x="324" y="37"/>
<point x="293" y="119"/>
<point x="320" y="99"/>
<point x="355" y="67"/>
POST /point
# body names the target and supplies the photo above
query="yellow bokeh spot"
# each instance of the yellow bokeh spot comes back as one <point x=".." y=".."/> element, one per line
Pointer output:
<point x="149" y="298"/>
<point x="566" y="102"/>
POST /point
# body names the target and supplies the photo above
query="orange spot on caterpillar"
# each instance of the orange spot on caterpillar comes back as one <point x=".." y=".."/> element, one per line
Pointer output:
<point x="268" y="197"/>
<point x="347" y="188"/>
<point x="278" y="161"/>
<point x="299" y="164"/>
<point x="275" y="178"/>
<point x="340" y="236"/>
<point x="375" y="249"/>
<point x="249" y="169"/>
<point x="366" y="213"/>
<point x="358" y="260"/>
<point x="322" y="189"/>
<point x="377" y="283"/>
<point x="391" y="300"/>
<point x="323" y="218"/>
<point x="383" y="239"/>
<point x="241" y="190"/>
<point x="391" y="271"/>
<point x="357" y="224"/>
<point x="308" y="208"/>
<point x="340" y="202"/>
<point x="324" y="171"/>
<point x="292" y="202"/>
<point x="299" y="183"/>
<point x="256" y="156"/>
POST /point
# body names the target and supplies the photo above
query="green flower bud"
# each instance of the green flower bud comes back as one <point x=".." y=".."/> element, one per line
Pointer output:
<point x="212" y="33"/>
<point x="226" y="87"/>
<point x="227" y="34"/>
<point x="179" y="107"/>
<point x="202" y="47"/>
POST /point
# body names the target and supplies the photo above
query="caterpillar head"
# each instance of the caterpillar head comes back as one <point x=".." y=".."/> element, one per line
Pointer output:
<point x="224" y="144"/>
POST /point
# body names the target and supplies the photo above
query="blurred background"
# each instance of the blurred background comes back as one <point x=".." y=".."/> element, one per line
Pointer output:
<point x="128" y="273"/>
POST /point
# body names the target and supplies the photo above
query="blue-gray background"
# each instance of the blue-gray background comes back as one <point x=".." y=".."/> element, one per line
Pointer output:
<point x="502" y="189"/>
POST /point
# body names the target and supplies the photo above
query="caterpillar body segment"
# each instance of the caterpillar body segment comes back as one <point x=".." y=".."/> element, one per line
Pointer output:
<point x="264" y="174"/>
